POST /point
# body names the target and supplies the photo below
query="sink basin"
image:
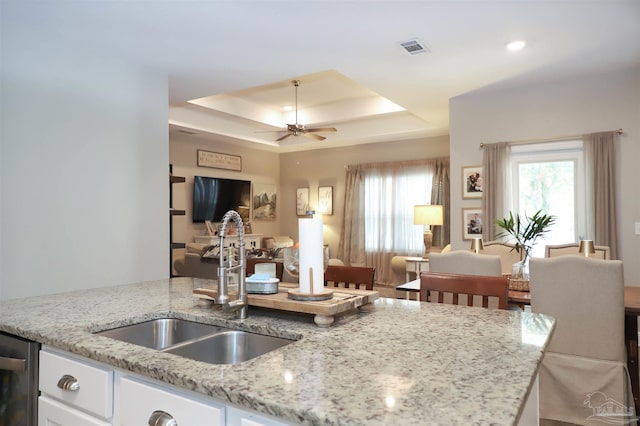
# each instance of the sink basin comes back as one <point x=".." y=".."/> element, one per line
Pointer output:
<point x="161" y="333"/>
<point x="229" y="347"/>
<point x="201" y="342"/>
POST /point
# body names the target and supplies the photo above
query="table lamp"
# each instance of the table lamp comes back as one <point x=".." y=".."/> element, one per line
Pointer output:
<point x="476" y="245"/>
<point x="587" y="248"/>
<point x="427" y="215"/>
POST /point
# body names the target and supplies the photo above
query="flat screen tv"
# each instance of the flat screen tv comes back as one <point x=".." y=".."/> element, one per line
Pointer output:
<point x="213" y="197"/>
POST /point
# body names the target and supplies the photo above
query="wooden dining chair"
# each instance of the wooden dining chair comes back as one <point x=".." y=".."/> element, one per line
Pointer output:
<point x="347" y="276"/>
<point x="251" y="266"/>
<point x="467" y="285"/>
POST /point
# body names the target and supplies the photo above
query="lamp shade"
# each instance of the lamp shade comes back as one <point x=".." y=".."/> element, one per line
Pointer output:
<point x="587" y="248"/>
<point x="476" y="245"/>
<point x="427" y="215"/>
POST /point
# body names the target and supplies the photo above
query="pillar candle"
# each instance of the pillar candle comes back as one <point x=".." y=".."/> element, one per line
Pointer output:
<point x="311" y="255"/>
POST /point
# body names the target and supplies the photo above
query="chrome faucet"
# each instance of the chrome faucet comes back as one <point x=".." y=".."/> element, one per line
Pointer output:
<point x="240" y="305"/>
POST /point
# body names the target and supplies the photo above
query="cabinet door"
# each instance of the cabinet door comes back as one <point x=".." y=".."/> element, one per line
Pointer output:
<point x="94" y="392"/>
<point x="140" y="400"/>
<point x="54" y="413"/>
<point x="239" y="417"/>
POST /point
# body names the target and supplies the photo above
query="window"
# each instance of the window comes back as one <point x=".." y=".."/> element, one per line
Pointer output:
<point x="390" y="195"/>
<point x="550" y="177"/>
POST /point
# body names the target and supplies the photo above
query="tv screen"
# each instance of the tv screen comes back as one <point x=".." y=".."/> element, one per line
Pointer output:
<point x="213" y="197"/>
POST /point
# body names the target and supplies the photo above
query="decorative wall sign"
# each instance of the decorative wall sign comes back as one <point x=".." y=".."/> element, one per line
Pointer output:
<point x="472" y="181"/>
<point x="325" y="200"/>
<point x="302" y="201"/>
<point x="217" y="160"/>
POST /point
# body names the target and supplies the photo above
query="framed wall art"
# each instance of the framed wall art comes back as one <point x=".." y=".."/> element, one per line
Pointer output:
<point x="472" y="181"/>
<point x="302" y="201"/>
<point x="264" y="201"/>
<point x="325" y="200"/>
<point x="471" y="224"/>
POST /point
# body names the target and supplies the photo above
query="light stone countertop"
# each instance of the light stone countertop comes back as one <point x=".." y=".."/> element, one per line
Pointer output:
<point x="394" y="362"/>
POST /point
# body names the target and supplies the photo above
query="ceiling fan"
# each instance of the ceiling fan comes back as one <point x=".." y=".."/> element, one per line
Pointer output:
<point x="299" y="129"/>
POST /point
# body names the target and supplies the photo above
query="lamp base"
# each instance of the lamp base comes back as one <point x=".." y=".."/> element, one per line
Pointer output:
<point x="428" y="238"/>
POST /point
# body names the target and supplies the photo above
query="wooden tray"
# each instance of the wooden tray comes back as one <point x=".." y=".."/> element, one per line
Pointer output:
<point x="324" y="310"/>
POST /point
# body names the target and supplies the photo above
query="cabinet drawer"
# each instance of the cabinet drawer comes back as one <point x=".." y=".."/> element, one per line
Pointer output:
<point x="95" y="391"/>
<point x="55" y="413"/>
<point x="139" y="400"/>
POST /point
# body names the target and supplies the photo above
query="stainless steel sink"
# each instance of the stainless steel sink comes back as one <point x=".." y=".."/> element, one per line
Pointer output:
<point x="229" y="347"/>
<point x="201" y="342"/>
<point x="161" y="333"/>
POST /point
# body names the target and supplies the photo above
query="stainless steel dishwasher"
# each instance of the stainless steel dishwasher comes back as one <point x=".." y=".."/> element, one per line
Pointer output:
<point x="18" y="381"/>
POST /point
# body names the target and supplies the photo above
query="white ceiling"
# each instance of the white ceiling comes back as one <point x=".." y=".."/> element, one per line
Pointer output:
<point x="244" y="54"/>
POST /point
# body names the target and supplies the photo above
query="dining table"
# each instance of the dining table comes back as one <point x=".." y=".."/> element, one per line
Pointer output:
<point x="631" y="313"/>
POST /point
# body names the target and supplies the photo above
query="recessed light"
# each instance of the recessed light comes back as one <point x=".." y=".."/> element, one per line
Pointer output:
<point x="516" y="45"/>
<point x="287" y="107"/>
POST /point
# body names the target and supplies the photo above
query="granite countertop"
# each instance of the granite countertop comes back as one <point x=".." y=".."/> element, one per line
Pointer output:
<point x="395" y="361"/>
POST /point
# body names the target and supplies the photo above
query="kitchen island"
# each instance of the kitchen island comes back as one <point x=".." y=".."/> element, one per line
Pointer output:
<point x="393" y="362"/>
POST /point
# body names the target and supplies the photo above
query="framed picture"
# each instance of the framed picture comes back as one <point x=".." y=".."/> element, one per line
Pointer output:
<point x="247" y="228"/>
<point x="471" y="223"/>
<point x="264" y="201"/>
<point x="302" y="201"/>
<point x="211" y="229"/>
<point x="325" y="199"/>
<point x="472" y="181"/>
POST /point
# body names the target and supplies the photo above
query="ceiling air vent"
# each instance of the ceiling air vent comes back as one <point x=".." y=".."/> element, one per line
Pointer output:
<point x="414" y="47"/>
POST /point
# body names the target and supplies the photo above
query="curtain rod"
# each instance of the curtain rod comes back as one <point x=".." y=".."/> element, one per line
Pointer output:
<point x="556" y="139"/>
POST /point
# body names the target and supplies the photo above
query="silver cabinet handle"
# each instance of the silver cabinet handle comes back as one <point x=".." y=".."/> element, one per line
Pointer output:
<point x="161" y="418"/>
<point x="13" y="364"/>
<point x="68" y="383"/>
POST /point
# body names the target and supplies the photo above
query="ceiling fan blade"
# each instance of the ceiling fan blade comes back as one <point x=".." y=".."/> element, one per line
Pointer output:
<point x="322" y="129"/>
<point x="284" y="137"/>
<point x="316" y="137"/>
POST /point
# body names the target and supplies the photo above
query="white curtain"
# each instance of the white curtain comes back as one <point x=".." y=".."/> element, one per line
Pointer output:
<point x="378" y="217"/>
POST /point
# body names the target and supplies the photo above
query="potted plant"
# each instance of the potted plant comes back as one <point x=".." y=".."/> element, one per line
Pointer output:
<point x="524" y="231"/>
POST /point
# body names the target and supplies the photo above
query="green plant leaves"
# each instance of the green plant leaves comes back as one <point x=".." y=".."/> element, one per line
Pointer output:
<point x="525" y="230"/>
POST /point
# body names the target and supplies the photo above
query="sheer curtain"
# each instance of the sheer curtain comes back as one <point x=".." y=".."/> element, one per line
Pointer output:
<point x="378" y="216"/>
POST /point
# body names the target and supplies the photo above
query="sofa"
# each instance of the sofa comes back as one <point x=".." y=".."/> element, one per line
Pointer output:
<point x="198" y="262"/>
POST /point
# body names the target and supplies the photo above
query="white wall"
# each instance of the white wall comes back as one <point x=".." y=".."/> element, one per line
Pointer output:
<point x="84" y="167"/>
<point x="582" y="104"/>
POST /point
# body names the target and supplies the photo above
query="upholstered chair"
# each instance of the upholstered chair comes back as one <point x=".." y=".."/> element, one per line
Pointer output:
<point x="465" y="262"/>
<point x="508" y="254"/>
<point x="586" y="353"/>
<point x="602" y="252"/>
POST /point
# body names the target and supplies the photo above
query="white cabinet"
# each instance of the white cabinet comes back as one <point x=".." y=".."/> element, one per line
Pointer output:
<point x="55" y="413"/>
<point x="77" y="391"/>
<point x="74" y="391"/>
<point x="239" y="417"/>
<point x="140" y="401"/>
<point x="251" y="241"/>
